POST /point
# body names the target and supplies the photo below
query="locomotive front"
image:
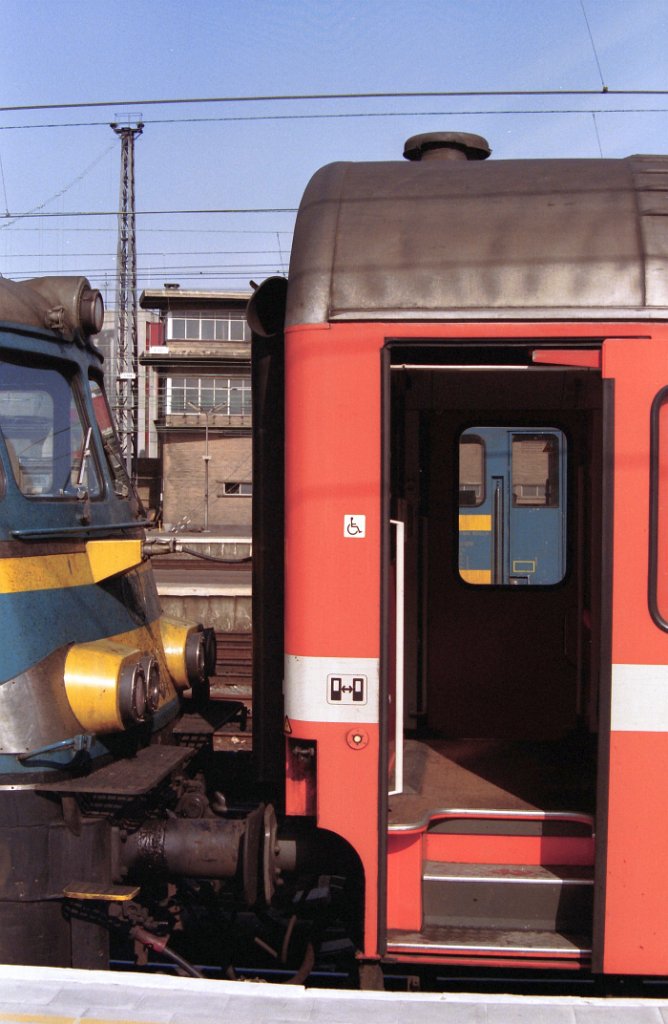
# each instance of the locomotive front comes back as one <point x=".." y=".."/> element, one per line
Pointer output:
<point x="91" y="674"/>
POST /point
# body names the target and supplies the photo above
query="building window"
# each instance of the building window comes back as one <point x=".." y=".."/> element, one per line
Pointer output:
<point x="230" y="327"/>
<point x="229" y="396"/>
<point x="232" y="488"/>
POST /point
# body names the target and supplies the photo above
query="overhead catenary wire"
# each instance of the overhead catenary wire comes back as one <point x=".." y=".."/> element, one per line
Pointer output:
<point x="4" y="186"/>
<point x="169" y="231"/>
<point x="604" y="87"/>
<point x="22" y="221"/>
<point x="151" y="213"/>
<point x="201" y="270"/>
<point x="146" y="252"/>
<point x="324" y="96"/>
<point x="492" y="112"/>
<point x="598" y="136"/>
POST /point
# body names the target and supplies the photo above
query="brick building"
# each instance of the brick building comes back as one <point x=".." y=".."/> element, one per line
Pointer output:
<point x="198" y="353"/>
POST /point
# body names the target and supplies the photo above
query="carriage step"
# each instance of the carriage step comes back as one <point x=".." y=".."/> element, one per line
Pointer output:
<point x="489" y="943"/>
<point x="507" y="897"/>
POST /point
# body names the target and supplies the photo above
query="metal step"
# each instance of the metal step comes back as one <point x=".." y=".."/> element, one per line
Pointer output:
<point x="507" y="896"/>
<point x="435" y="941"/>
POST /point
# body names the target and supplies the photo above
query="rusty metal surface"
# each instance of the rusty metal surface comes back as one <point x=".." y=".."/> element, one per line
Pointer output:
<point x="234" y="682"/>
<point x="196" y="723"/>
<point x="47" y="303"/>
<point x="129" y="777"/>
<point x="229" y="742"/>
<point x="234" y="659"/>
<point x="449" y="240"/>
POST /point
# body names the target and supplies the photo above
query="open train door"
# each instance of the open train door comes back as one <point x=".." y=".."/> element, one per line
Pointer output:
<point x="494" y="470"/>
<point x="632" y="906"/>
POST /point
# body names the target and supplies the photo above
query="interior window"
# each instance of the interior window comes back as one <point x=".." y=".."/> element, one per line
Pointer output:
<point x="535" y="460"/>
<point x="471" y="473"/>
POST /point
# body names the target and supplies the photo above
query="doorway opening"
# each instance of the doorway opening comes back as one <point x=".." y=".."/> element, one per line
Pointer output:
<point x="495" y="486"/>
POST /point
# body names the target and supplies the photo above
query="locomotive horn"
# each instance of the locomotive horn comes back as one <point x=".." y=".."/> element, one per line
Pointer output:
<point x="266" y="308"/>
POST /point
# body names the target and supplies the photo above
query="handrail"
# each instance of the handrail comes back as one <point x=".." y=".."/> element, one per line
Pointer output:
<point x="55" y="532"/>
<point x="399" y="661"/>
<point x="442" y="814"/>
<point x="654" y="518"/>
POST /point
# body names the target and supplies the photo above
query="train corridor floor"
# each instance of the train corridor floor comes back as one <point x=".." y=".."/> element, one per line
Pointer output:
<point x="498" y="775"/>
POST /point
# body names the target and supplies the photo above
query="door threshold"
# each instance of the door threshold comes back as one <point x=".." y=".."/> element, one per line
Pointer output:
<point x="488" y="942"/>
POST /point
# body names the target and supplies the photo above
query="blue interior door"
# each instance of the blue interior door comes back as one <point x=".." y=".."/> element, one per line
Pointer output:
<point x="512" y="506"/>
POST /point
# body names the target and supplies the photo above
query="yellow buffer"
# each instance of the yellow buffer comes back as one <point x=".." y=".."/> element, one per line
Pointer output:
<point x="175" y="636"/>
<point x="93" y="675"/>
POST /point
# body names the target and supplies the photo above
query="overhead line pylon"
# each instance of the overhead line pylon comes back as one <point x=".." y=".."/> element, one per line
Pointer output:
<point x="127" y="357"/>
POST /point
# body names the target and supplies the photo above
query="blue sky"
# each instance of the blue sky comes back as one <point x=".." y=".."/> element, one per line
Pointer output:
<point x="261" y="154"/>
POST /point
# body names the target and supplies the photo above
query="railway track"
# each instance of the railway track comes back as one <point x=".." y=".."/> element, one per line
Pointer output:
<point x="233" y="681"/>
<point x="203" y="564"/>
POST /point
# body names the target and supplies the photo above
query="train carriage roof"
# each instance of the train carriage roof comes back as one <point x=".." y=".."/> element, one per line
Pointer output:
<point x="506" y="239"/>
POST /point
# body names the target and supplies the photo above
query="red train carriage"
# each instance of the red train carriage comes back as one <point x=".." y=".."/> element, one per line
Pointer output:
<point x="473" y="606"/>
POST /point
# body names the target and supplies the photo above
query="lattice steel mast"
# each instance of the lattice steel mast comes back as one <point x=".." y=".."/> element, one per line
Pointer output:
<point x="127" y="359"/>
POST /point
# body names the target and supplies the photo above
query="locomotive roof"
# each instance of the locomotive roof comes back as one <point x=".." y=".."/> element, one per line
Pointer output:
<point x="67" y="306"/>
<point x="513" y="239"/>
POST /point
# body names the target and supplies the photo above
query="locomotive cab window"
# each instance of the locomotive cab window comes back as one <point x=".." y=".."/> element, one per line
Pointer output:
<point x="512" y="513"/>
<point x="46" y="436"/>
<point x="110" y="440"/>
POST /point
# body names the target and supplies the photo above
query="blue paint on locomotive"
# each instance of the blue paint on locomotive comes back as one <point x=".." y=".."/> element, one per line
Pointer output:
<point x="63" y="483"/>
<point x="33" y="624"/>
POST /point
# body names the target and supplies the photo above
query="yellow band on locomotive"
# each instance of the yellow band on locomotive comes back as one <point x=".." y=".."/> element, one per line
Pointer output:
<point x="100" y="560"/>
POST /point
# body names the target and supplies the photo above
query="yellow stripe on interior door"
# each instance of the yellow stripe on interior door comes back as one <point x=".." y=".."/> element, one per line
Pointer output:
<point x="476" y="575"/>
<point x="481" y="523"/>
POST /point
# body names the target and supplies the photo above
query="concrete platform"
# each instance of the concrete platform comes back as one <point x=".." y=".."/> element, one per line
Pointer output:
<point x="204" y="589"/>
<point x="42" y="995"/>
<point x="192" y="581"/>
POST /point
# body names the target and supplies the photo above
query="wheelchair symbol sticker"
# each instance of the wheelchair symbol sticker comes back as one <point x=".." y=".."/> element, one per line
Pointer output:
<point x="354" y="527"/>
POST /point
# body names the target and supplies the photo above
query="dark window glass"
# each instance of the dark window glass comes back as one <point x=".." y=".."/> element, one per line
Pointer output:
<point x="110" y="441"/>
<point x="535" y="459"/>
<point x="471" y="471"/>
<point x="45" y="433"/>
